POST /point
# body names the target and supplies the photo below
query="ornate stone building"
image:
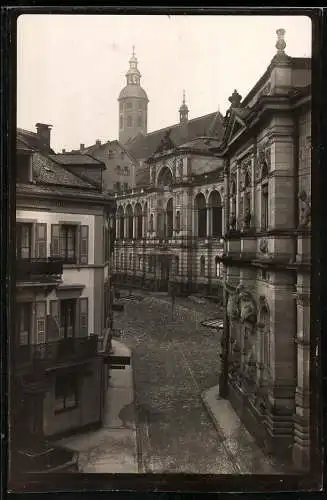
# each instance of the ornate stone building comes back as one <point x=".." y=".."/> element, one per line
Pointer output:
<point x="266" y="151"/>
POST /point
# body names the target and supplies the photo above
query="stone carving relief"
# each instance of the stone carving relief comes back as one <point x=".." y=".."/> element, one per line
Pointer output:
<point x="263" y="245"/>
<point x="241" y="306"/>
<point x="245" y="172"/>
<point x="305" y="209"/>
<point x="263" y="159"/>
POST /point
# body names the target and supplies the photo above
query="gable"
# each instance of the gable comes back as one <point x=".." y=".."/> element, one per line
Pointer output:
<point x="235" y="126"/>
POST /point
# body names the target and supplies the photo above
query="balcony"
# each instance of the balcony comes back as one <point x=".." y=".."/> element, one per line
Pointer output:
<point x="39" y="271"/>
<point x="51" y="354"/>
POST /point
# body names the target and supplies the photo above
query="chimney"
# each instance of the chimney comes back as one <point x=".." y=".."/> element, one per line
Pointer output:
<point x="44" y="132"/>
<point x="64" y="151"/>
<point x="82" y="146"/>
<point x="98" y="142"/>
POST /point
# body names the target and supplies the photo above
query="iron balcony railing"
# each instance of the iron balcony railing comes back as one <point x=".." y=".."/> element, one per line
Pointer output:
<point x="51" y="353"/>
<point x="47" y="269"/>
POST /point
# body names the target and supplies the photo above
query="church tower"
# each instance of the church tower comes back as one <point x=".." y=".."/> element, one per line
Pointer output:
<point x="133" y="105"/>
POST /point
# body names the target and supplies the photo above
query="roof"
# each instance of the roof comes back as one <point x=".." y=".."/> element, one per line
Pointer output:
<point x="90" y="150"/>
<point x="143" y="146"/>
<point x="200" y="144"/>
<point x="133" y="91"/>
<point x="47" y="171"/>
<point x="57" y="191"/>
<point x="31" y="141"/>
<point x="76" y="159"/>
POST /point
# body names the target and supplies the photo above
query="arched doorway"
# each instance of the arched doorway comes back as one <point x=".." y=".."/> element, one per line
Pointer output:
<point x="169" y="218"/>
<point x="138" y="221"/>
<point x="200" y="212"/>
<point x="129" y="221"/>
<point x="215" y="214"/>
<point x="165" y="177"/>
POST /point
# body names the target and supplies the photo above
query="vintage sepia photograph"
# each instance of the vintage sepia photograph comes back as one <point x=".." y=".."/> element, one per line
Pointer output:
<point x="163" y="246"/>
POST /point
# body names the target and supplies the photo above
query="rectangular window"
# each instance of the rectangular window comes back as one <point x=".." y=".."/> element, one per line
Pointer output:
<point x="264" y="207"/>
<point x="129" y="105"/>
<point x="125" y="186"/>
<point x="121" y="122"/>
<point x="68" y="243"/>
<point x="117" y="187"/>
<point x="68" y="318"/>
<point x="23" y="317"/>
<point x="23" y="241"/>
<point x="66" y="393"/>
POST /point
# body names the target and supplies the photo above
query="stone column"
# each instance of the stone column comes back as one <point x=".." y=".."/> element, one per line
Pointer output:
<point x="118" y="222"/>
<point x="134" y="219"/>
<point x="301" y="447"/>
<point x="281" y="388"/>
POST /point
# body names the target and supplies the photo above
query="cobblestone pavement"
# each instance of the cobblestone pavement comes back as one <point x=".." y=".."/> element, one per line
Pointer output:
<point x="174" y="360"/>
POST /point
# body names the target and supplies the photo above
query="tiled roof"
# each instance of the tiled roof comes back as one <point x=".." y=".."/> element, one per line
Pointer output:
<point x="58" y="191"/>
<point x="200" y="144"/>
<point x="31" y="141"/>
<point x="76" y="159"/>
<point x="142" y="176"/>
<point x="143" y="146"/>
<point x="46" y="171"/>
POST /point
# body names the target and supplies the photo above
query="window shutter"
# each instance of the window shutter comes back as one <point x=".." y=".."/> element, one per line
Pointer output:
<point x="55" y="313"/>
<point x="41" y="241"/>
<point x="83" y="317"/>
<point x="55" y="240"/>
<point x="40" y="313"/>
<point x="84" y="245"/>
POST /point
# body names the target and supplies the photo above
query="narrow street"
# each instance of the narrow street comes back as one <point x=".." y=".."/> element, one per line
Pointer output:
<point x="174" y="360"/>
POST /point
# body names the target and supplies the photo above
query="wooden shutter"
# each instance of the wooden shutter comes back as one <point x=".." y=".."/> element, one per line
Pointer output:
<point x="55" y="240"/>
<point x="41" y="240"/>
<point x="83" y="317"/>
<point x="55" y="313"/>
<point x="84" y="245"/>
<point x="40" y="313"/>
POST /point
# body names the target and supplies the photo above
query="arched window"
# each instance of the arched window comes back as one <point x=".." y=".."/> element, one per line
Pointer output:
<point x="129" y="105"/>
<point x="201" y="216"/>
<point x="129" y="221"/>
<point x="165" y="177"/>
<point x="118" y="170"/>
<point x="138" y="221"/>
<point x="129" y="121"/>
<point x="139" y="121"/>
<point x="178" y="221"/>
<point x="145" y="218"/>
<point x="219" y="267"/>
<point x="247" y="200"/>
<point x="215" y="214"/>
<point x="120" y="218"/>
<point x="202" y="266"/>
<point x="169" y="218"/>
<point x="264" y="197"/>
<point x="121" y="122"/>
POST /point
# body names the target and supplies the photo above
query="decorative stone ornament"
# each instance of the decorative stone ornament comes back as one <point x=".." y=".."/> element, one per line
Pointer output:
<point x="280" y="44"/>
<point x="235" y="99"/>
<point x="305" y="214"/>
<point x="263" y="245"/>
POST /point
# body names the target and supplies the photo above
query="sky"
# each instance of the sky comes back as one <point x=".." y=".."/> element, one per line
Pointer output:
<point x="71" y="68"/>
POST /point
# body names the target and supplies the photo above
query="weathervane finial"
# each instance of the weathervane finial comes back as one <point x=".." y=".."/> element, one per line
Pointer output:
<point x="133" y="50"/>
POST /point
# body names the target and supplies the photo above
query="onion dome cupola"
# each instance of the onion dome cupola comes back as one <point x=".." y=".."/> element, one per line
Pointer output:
<point x="133" y="104"/>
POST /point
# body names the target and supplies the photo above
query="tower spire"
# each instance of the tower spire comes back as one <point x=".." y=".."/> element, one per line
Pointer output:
<point x="183" y="111"/>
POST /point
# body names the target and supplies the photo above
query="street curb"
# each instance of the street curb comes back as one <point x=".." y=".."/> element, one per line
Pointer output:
<point x="218" y="409"/>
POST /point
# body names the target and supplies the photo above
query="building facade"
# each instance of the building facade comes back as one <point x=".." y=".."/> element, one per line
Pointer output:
<point x="119" y="174"/>
<point x="267" y="185"/>
<point x="63" y="303"/>
<point x="169" y="234"/>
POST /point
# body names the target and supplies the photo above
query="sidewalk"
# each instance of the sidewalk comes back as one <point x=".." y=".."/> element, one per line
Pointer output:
<point x="111" y="449"/>
<point x="239" y="444"/>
